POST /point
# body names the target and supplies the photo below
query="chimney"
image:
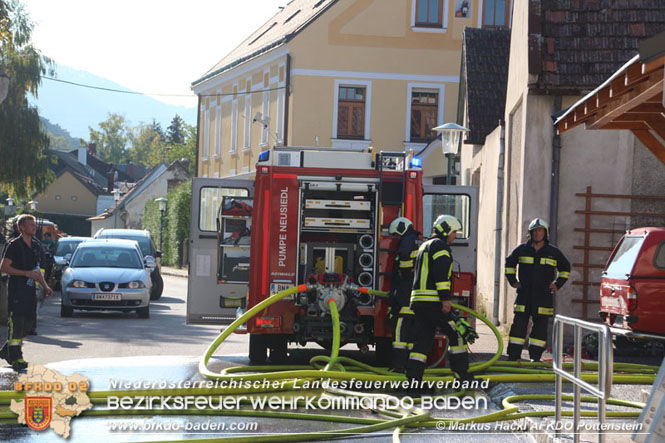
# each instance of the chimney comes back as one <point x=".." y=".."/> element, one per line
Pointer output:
<point x="83" y="156"/>
<point x="92" y="148"/>
<point x="130" y="170"/>
<point x="110" y="182"/>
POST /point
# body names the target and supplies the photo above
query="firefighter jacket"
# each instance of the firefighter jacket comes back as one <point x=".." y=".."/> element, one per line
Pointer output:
<point x="402" y="275"/>
<point x="537" y="269"/>
<point x="433" y="269"/>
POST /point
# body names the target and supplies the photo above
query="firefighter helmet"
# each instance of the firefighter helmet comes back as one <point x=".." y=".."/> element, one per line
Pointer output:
<point x="539" y="223"/>
<point x="445" y="224"/>
<point x="399" y="226"/>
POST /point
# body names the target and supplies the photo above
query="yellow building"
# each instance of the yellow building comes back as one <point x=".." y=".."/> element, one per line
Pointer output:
<point x="340" y="73"/>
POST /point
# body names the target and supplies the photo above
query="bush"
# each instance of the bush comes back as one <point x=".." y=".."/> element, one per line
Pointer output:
<point x="176" y="223"/>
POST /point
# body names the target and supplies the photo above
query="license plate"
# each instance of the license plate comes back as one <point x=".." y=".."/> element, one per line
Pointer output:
<point x="107" y="297"/>
<point x="279" y="287"/>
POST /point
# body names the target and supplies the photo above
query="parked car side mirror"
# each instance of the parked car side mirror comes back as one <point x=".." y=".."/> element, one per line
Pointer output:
<point x="158" y="254"/>
<point x="150" y="263"/>
<point x="68" y="259"/>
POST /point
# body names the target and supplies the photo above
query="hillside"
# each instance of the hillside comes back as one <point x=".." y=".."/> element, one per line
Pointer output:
<point x="74" y="108"/>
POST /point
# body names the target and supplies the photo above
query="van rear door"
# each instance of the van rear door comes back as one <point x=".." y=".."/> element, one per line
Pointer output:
<point x="615" y="284"/>
<point x="220" y="229"/>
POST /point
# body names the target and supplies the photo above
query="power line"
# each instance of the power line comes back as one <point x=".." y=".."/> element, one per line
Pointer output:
<point x="157" y="95"/>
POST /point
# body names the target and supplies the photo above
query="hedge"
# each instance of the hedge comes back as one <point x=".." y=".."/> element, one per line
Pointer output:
<point x="176" y="223"/>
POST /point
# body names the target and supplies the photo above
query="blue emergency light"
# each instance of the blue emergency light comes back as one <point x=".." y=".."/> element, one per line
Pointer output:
<point x="416" y="162"/>
<point x="264" y="156"/>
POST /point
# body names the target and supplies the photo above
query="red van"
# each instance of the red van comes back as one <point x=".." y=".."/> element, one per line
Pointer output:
<point x="632" y="290"/>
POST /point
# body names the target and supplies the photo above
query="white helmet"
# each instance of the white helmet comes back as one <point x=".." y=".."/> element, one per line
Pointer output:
<point x="399" y="226"/>
<point x="445" y="224"/>
<point x="539" y="223"/>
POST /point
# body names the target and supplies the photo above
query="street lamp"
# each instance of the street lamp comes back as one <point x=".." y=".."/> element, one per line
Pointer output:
<point x="116" y="199"/>
<point x="33" y="208"/>
<point x="451" y="134"/>
<point x="162" y="207"/>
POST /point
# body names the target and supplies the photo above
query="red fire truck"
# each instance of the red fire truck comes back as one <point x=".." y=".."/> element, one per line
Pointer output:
<point x="318" y="216"/>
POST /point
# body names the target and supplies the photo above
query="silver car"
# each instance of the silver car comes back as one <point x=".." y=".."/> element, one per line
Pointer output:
<point x="107" y="275"/>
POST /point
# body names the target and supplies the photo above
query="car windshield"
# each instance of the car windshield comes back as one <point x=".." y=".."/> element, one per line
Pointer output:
<point x="66" y="247"/>
<point x="624" y="259"/>
<point x="144" y="242"/>
<point x="107" y="257"/>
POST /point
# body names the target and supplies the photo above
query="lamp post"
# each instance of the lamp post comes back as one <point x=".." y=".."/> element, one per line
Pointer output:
<point x="162" y="207"/>
<point x="451" y="134"/>
<point x="116" y="199"/>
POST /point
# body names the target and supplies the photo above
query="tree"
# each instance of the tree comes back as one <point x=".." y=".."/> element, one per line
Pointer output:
<point x="145" y="144"/>
<point x="111" y="139"/>
<point x="176" y="131"/>
<point x="23" y="145"/>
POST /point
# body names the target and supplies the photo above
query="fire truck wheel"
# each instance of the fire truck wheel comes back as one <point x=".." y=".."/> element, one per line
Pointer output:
<point x="278" y="348"/>
<point x="383" y="351"/>
<point x="257" y="348"/>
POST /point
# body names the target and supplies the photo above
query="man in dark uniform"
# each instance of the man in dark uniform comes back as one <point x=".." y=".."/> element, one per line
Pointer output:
<point x="543" y="269"/>
<point x="21" y="262"/>
<point x="430" y="301"/>
<point x="400" y="290"/>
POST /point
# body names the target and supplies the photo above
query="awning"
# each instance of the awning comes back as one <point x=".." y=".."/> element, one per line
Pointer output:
<point x="632" y="99"/>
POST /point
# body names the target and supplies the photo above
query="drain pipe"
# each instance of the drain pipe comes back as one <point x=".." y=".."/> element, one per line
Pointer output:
<point x="498" y="227"/>
<point x="554" y="184"/>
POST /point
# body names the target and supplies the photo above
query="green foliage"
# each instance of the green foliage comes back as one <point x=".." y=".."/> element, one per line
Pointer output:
<point x="144" y="140"/>
<point x="24" y="166"/>
<point x="176" y="223"/>
<point x="176" y="131"/>
<point x="111" y="139"/>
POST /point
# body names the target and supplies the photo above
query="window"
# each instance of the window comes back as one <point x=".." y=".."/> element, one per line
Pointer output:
<point x="623" y="261"/>
<point x="351" y="112"/>
<point x="429" y="13"/>
<point x="495" y="14"/>
<point x="424" y="113"/>
<point x="265" y="111"/>
<point x="248" y="121"/>
<point x="234" y="127"/>
<point x="457" y="205"/>
<point x="659" y="258"/>
<point x="280" y="117"/>
<point x="209" y="201"/>
<point x="218" y="126"/>
<point x="206" y="135"/>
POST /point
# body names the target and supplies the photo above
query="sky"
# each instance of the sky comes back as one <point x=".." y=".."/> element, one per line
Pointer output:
<point x="151" y="46"/>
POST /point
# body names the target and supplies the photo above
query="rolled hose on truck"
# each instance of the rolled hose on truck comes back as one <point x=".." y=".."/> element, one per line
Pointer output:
<point x="333" y="367"/>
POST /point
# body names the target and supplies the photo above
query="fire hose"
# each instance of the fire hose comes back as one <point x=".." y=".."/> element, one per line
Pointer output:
<point x="336" y="367"/>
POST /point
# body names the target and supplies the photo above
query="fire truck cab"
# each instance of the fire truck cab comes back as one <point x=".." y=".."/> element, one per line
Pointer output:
<point x="321" y="217"/>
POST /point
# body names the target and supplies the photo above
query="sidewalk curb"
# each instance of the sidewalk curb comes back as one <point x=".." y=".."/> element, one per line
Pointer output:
<point x="182" y="273"/>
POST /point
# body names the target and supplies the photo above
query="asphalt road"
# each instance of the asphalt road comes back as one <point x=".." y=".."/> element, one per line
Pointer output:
<point x="97" y="334"/>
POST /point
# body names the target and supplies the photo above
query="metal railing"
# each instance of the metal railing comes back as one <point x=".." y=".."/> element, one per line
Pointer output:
<point x="605" y="364"/>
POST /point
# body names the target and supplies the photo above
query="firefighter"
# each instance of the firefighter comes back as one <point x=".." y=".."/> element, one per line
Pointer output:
<point x="430" y="302"/>
<point x="400" y="290"/>
<point x="543" y="269"/>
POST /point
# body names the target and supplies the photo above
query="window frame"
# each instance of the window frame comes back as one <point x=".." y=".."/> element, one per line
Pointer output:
<point x="339" y="83"/>
<point x="444" y="8"/>
<point x="433" y="87"/>
<point x="506" y="24"/>
<point x="425" y="138"/>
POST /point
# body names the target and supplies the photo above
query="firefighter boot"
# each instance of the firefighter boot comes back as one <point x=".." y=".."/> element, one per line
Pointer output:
<point x="15" y="354"/>
<point x="459" y="364"/>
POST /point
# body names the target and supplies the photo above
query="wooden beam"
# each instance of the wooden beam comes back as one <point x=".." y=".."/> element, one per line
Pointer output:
<point x="651" y="142"/>
<point x="626" y="125"/>
<point x="648" y="107"/>
<point x="658" y="126"/>
<point x="637" y="117"/>
<point x="627" y="101"/>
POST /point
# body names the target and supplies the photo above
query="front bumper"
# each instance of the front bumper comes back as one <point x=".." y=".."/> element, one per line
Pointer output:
<point x="83" y="298"/>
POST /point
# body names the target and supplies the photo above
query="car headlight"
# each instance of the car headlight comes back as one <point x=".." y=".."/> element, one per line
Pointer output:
<point x="78" y="284"/>
<point x="135" y="284"/>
